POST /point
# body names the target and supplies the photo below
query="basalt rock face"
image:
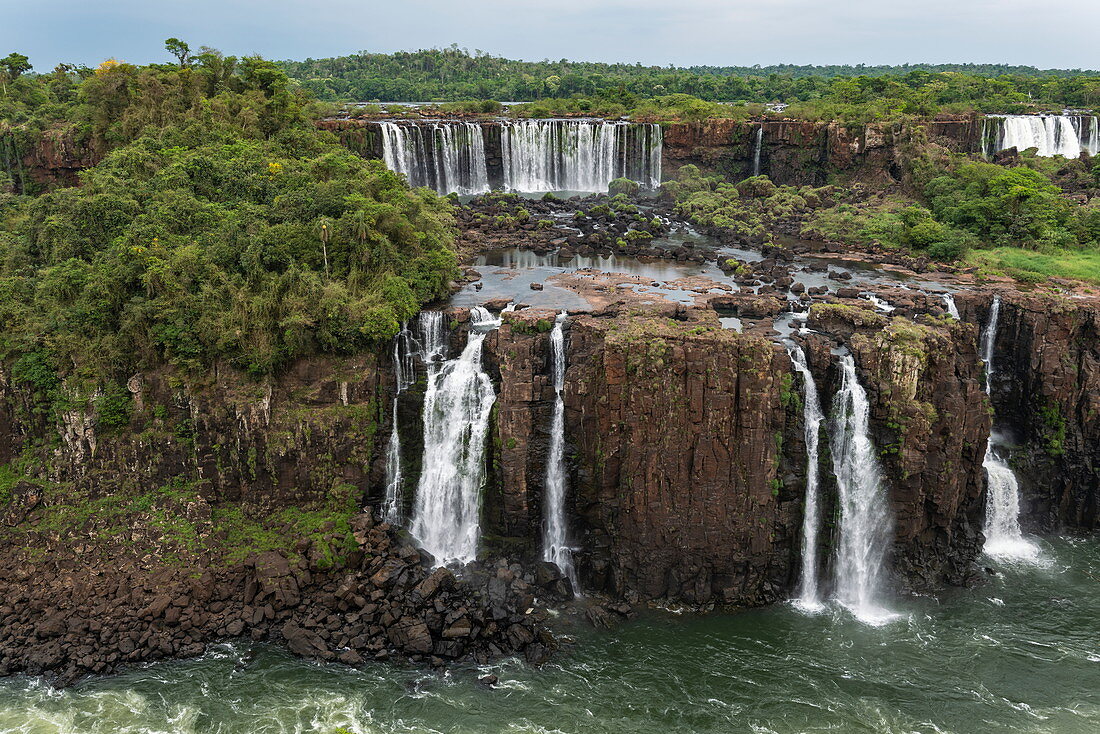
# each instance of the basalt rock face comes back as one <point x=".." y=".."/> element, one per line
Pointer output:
<point x="678" y="466"/>
<point x="133" y="543"/>
<point x="517" y="355"/>
<point x="1046" y="392"/>
<point x="687" y="457"/>
<point x="806" y="153"/>
<point x="55" y="159"/>
<point x="288" y="440"/>
<point x="930" y="421"/>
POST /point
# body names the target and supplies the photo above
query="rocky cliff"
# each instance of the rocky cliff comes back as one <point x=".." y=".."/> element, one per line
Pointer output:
<point x="807" y="153"/>
<point x="930" y="421"/>
<point x="687" y="455"/>
<point x="225" y="508"/>
<point x="1046" y="394"/>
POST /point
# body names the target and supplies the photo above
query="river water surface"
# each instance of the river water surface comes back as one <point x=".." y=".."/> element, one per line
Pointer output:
<point x="1021" y="654"/>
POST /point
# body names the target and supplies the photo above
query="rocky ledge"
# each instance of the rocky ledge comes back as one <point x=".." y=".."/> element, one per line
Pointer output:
<point x="71" y="609"/>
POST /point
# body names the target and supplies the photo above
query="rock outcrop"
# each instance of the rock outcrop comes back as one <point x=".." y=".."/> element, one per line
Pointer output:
<point x="799" y="152"/>
<point x="677" y="430"/>
<point x="1046" y="395"/>
<point x="930" y="421"/>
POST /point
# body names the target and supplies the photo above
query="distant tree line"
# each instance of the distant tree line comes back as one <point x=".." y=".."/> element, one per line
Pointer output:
<point x="454" y="74"/>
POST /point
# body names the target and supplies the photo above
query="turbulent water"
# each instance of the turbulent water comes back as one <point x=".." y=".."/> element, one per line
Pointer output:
<point x="1050" y="135"/>
<point x="865" y="523"/>
<point x="555" y="537"/>
<point x="457" y="405"/>
<point x="1019" y="655"/>
<point x="809" y="594"/>
<point x="1003" y="537"/>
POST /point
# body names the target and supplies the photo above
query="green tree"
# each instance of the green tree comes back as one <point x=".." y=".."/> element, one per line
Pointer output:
<point x="180" y="50"/>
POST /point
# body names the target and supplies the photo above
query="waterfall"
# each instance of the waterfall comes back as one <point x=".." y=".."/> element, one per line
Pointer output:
<point x="865" y="522"/>
<point x="880" y="304"/>
<point x="404" y="375"/>
<point x="555" y="539"/>
<point x="1051" y="135"/>
<point x="578" y="155"/>
<point x="457" y="405"/>
<point x="756" y="150"/>
<point x="1003" y="537"/>
<point x="809" y="596"/>
<point x="952" y="308"/>
<point x="445" y="156"/>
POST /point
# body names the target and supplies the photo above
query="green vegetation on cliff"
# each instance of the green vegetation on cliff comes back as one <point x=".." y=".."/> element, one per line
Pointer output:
<point x="220" y="225"/>
<point x="1030" y="219"/>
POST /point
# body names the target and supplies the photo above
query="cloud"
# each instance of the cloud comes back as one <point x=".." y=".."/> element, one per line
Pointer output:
<point x="682" y="32"/>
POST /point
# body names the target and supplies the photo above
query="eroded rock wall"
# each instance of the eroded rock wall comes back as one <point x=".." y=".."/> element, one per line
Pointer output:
<point x="677" y="438"/>
<point x="1046" y="392"/>
<point x="798" y="152"/>
<point x="930" y="421"/>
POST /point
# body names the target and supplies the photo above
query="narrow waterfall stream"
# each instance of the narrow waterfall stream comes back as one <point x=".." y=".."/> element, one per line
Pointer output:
<point x="809" y="595"/>
<point x="865" y="519"/>
<point x="404" y="370"/>
<point x="757" y="146"/>
<point x="1003" y="537"/>
<point x="555" y="536"/>
<point x="951" y="306"/>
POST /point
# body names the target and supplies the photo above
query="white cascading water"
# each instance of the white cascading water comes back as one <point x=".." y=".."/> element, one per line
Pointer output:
<point x="578" y="155"/>
<point x="880" y="304"/>
<point x="757" y="147"/>
<point x="952" y="308"/>
<point x="555" y="537"/>
<point x="1003" y="537"/>
<point x="809" y="593"/>
<point x="457" y="406"/>
<point x="1050" y="135"/>
<point x="865" y="518"/>
<point x="444" y="156"/>
<point x="405" y="375"/>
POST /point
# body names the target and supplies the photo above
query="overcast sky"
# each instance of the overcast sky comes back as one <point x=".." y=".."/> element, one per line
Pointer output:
<point x="683" y="32"/>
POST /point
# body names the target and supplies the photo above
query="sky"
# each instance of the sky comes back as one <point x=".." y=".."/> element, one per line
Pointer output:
<point x="662" y="32"/>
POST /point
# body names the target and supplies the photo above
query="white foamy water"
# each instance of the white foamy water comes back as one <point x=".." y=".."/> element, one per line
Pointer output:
<point x="809" y="594"/>
<point x="555" y="536"/>
<point x="1003" y="537"/>
<point x="865" y="521"/>
<point x="457" y="405"/>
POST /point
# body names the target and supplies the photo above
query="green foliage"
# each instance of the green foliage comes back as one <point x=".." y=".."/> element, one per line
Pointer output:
<point x="749" y="209"/>
<point x="623" y="186"/>
<point x="220" y="225"/>
<point x="113" y="406"/>
<point x="1014" y="206"/>
<point x="1053" y="428"/>
<point x="823" y="92"/>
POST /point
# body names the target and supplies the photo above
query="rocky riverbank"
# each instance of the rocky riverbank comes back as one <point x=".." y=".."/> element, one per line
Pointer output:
<point x="73" y="607"/>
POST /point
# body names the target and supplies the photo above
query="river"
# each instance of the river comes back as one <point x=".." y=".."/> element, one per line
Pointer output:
<point x="1020" y="654"/>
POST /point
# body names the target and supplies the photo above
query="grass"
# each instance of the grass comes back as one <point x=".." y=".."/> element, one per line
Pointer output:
<point x="160" y="517"/>
<point x="1032" y="267"/>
